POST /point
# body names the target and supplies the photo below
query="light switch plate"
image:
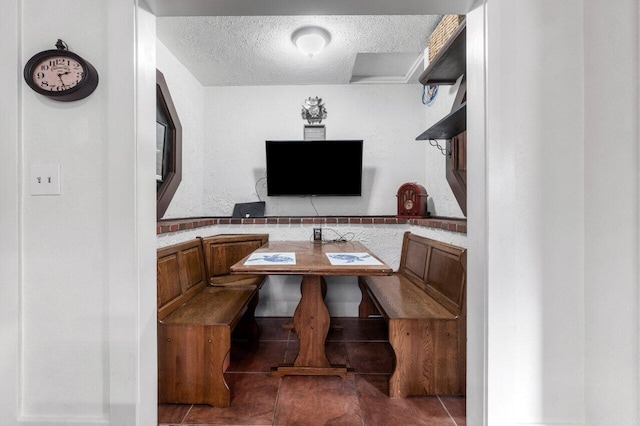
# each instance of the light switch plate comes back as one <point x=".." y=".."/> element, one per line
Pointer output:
<point x="45" y="179"/>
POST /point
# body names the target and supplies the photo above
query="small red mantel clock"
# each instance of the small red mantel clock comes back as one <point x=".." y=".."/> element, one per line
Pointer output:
<point x="412" y="201"/>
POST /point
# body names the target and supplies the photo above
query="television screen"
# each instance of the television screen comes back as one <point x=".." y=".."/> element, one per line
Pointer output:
<point x="328" y="168"/>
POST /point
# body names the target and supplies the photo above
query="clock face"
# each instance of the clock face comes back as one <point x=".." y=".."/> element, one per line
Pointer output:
<point x="60" y="75"/>
<point x="408" y="204"/>
<point x="57" y="73"/>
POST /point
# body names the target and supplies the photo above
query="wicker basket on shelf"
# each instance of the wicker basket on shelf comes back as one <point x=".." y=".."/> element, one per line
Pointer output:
<point x="441" y="34"/>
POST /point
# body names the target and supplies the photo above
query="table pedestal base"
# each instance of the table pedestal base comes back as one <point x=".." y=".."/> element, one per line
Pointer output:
<point x="311" y="322"/>
<point x="334" y="370"/>
<point x="333" y="327"/>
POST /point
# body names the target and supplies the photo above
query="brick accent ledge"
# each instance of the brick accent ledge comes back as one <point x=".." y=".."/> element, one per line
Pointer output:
<point x="449" y="224"/>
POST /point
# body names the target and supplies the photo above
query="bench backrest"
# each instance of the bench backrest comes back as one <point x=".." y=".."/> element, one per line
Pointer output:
<point x="184" y="269"/>
<point x="181" y="275"/>
<point x="224" y="250"/>
<point x="437" y="268"/>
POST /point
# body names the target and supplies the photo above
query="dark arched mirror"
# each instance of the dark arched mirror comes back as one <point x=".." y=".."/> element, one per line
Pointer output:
<point x="168" y="146"/>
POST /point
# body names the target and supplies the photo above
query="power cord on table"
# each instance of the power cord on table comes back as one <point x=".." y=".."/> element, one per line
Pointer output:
<point x="341" y="238"/>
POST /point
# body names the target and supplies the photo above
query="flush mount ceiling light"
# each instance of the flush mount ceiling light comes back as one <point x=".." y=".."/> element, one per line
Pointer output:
<point x="310" y="40"/>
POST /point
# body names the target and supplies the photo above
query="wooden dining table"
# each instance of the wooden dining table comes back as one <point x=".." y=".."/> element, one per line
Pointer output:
<point x="311" y="320"/>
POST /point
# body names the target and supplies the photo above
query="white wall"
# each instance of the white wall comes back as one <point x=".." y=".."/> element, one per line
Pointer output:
<point x="188" y="97"/>
<point x="139" y="396"/>
<point x="535" y="202"/>
<point x="553" y="336"/>
<point x="10" y="233"/>
<point x="57" y="263"/>
<point x="224" y="129"/>
<point x="78" y="289"/>
<point x="477" y="306"/>
<point x="611" y="212"/>
<point x="239" y="119"/>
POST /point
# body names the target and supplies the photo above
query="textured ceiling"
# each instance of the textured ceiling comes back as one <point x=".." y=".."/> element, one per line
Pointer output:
<point x="307" y="7"/>
<point x="257" y="50"/>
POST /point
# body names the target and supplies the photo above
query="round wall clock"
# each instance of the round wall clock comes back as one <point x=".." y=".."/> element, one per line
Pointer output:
<point x="412" y="201"/>
<point x="61" y="75"/>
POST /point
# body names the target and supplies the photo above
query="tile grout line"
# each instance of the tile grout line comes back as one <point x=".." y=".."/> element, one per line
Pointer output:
<point x="186" y="415"/>
<point x="447" y="410"/>
<point x="355" y="385"/>
<point x="275" y="405"/>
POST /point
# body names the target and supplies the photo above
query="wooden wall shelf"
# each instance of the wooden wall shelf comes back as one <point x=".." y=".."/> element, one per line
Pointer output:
<point x="451" y="62"/>
<point x="445" y="69"/>
<point x="451" y="125"/>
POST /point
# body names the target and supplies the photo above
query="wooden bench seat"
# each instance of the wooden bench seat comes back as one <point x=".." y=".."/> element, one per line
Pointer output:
<point x="397" y="297"/>
<point x="424" y="303"/>
<point x="195" y="324"/>
<point x="213" y="306"/>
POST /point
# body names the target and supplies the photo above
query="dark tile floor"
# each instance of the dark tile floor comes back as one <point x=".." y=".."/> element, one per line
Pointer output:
<point x="257" y="399"/>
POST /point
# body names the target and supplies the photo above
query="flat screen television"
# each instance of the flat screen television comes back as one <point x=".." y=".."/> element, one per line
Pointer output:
<point x="322" y="168"/>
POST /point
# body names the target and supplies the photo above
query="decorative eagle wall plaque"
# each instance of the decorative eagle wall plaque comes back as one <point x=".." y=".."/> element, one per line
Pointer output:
<point x="313" y="110"/>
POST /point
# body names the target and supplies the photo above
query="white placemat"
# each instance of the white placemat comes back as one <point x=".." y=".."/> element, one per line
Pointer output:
<point x="352" y="259"/>
<point x="271" y="259"/>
